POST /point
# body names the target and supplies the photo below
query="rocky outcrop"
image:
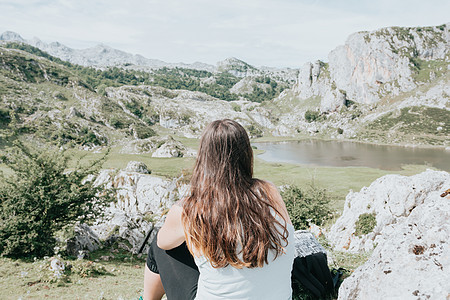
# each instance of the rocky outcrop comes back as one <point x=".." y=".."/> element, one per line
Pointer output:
<point x="141" y="201"/>
<point x="389" y="199"/>
<point x="373" y="64"/>
<point x="409" y="238"/>
<point x="84" y="239"/>
<point x="171" y="148"/>
<point x="138" y="167"/>
<point x="412" y="261"/>
<point x="187" y="112"/>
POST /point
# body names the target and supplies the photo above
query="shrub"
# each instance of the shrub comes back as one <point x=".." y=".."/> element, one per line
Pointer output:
<point x="143" y="132"/>
<point x="365" y="224"/>
<point x="5" y="118"/>
<point x="41" y="197"/>
<point x="236" y="107"/>
<point x="307" y="207"/>
<point x="311" y="116"/>
<point x="254" y="131"/>
<point x="340" y="131"/>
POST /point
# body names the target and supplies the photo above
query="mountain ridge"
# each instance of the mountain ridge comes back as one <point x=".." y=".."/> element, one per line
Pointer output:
<point x="102" y="55"/>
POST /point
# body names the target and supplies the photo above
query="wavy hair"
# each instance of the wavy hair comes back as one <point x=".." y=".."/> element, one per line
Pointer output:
<point x="229" y="216"/>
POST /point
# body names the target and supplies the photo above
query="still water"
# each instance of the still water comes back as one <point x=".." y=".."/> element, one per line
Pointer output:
<point x="346" y="154"/>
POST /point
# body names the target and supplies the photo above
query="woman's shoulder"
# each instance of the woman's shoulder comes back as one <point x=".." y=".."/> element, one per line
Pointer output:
<point x="275" y="196"/>
<point x="268" y="186"/>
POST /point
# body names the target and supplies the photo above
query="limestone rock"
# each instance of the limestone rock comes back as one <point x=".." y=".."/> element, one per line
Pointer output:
<point x="137" y="166"/>
<point x="390" y="198"/>
<point x="412" y="259"/>
<point x="171" y="148"/>
<point x="84" y="239"/>
<point x="371" y="65"/>
<point x="306" y="244"/>
<point x="142" y="201"/>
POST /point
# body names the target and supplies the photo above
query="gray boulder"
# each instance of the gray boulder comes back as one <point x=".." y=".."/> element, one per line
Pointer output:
<point x="85" y="239"/>
<point x="138" y="167"/>
<point x="390" y="198"/>
<point x="412" y="260"/>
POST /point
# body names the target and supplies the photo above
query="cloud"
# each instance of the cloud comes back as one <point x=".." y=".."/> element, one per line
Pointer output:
<point x="262" y="32"/>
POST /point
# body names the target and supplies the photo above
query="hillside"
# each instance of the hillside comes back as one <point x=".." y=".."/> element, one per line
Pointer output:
<point x="49" y="100"/>
<point x="387" y="86"/>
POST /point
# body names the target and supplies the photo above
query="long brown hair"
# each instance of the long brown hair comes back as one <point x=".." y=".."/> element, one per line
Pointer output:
<point x="229" y="216"/>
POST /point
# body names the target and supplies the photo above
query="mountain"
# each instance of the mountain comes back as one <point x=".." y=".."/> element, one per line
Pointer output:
<point x="389" y="86"/>
<point x="104" y="56"/>
<point x="386" y="86"/>
<point x="44" y="99"/>
<point x="373" y="65"/>
<point x="99" y="56"/>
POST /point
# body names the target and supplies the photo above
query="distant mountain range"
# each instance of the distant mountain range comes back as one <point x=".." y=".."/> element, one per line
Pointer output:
<point x="105" y="56"/>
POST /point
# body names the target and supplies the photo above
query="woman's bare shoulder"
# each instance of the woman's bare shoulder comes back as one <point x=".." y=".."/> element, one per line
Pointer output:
<point x="276" y="197"/>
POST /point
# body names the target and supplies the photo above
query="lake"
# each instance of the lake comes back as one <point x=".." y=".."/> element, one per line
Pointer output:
<point x="350" y="154"/>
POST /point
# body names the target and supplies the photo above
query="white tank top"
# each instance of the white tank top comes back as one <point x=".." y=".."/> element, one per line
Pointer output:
<point x="272" y="281"/>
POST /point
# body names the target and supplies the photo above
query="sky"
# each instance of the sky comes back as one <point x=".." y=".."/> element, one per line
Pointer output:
<point x="276" y="33"/>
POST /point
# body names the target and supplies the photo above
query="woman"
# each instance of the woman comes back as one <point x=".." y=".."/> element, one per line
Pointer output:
<point x="235" y="226"/>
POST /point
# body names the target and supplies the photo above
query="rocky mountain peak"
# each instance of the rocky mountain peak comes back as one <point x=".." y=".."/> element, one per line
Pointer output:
<point x="371" y="65"/>
<point x="11" y="36"/>
<point x="236" y="67"/>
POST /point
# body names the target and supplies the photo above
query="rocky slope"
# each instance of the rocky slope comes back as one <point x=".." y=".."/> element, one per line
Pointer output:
<point x="408" y="235"/>
<point x="377" y="83"/>
<point x="375" y="64"/>
<point x="47" y="101"/>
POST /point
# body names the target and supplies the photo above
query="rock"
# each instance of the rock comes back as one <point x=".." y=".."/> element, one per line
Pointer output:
<point x="84" y="239"/>
<point x="141" y="202"/>
<point x="57" y="267"/>
<point x="137" y="166"/>
<point x="412" y="259"/>
<point x="306" y="244"/>
<point x="390" y="198"/>
<point x="73" y="112"/>
<point x="371" y="65"/>
<point x="171" y="148"/>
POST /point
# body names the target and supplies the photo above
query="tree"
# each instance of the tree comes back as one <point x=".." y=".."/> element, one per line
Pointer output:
<point x="306" y="207"/>
<point x="42" y="196"/>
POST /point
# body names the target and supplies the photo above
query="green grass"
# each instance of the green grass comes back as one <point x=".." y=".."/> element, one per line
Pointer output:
<point x="425" y="68"/>
<point x="410" y="125"/>
<point x="124" y="277"/>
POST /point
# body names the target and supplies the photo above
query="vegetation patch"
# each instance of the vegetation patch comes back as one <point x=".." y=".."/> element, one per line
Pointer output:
<point x="365" y="224"/>
<point x="306" y="206"/>
<point x="143" y="132"/>
<point x="311" y="116"/>
<point x="41" y="197"/>
<point x="417" y="120"/>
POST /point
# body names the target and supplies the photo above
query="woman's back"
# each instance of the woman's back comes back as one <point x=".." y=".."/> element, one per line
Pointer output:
<point x="236" y="226"/>
<point x="272" y="281"/>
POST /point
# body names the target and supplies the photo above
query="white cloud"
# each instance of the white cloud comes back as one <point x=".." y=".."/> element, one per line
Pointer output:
<point x="262" y="32"/>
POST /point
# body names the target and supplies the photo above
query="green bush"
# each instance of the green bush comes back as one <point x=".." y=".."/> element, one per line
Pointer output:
<point x="254" y="131"/>
<point x="5" y="118"/>
<point x="365" y="224"/>
<point x="311" y="116"/>
<point x="144" y="132"/>
<point x="41" y="197"/>
<point x="307" y="207"/>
